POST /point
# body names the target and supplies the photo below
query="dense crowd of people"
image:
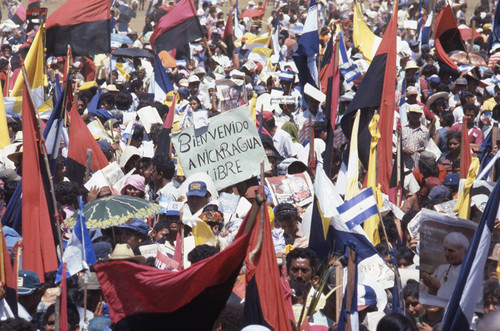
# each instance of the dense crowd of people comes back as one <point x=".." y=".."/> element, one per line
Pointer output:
<point x="433" y="104"/>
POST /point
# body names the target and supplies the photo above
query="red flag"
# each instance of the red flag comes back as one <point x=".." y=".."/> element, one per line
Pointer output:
<point x="447" y="37"/>
<point x="39" y="249"/>
<point x="8" y="276"/>
<point x="264" y="299"/>
<point x="465" y="156"/>
<point x="63" y="315"/>
<point x="80" y="139"/>
<point x="388" y="47"/>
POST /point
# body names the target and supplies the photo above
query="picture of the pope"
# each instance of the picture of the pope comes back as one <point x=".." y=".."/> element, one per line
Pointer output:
<point x="442" y="281"/>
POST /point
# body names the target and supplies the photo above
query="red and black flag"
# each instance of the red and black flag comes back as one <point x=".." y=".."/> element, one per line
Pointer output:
<point x="80" y="139"/>
<point x="39" y="247"/>
<point x="228" y="35"/>
<point x="177" y="28"/>
<point x="376" y="92"/>
<point x="85" y="25"/>
<point x="264" y="297"/>
<point x="146" y="298"/>
<point x="20" y="16"/>
<point x="447" y="37"/>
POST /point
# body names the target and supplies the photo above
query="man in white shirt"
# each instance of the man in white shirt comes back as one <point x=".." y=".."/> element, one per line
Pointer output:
<point x="162" y="186"/>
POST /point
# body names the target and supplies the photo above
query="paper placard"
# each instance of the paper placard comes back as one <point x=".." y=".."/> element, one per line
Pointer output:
<point x="149" y="250"/>
<point x="107" y="176"/>
<point x="294" y="189"/>
<point x="149" y="116"/>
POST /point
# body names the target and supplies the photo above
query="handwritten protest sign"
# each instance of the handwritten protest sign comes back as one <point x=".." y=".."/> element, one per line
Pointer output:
<point x="229" y="149"/>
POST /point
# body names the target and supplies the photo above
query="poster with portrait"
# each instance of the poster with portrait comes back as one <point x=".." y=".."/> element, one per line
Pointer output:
<point x="443" y="243"/>
<point x="294" y="189"/>
<point x="229" y="93"/>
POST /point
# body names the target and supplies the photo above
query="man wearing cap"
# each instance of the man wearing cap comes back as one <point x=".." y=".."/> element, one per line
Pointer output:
<point x="414" y="137"/>
<point x="29" y="293"/>
<point x="412" y="99"/>
<point x="133" y="232"/>
<point x="314" y="98"/>
<point x="456" y="91"/>
<point x="197" y="198"/>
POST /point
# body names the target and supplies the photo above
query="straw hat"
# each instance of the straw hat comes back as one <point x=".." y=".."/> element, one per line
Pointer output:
<point x="436" y="96"/>
<point x="411" y="65"/>
<point x="125" y="252"/>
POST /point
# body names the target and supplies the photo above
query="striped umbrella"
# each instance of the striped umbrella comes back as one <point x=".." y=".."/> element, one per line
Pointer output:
<point x="111" y="211"/>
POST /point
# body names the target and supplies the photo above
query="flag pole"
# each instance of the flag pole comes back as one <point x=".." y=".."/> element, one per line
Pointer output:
<point x="494" y="136"/>
<point x="46" y="161"/>
<point x="260" y="198"/>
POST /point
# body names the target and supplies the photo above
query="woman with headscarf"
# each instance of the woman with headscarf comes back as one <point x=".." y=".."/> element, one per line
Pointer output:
<point x="134" y="186"/>
<point x="293" y="131"/>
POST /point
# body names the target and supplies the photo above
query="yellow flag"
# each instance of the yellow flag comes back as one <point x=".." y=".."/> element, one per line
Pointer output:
<point x="371" y="224"/>
<point x="352" y="186"/>
<point x="463" y="203"/>
<point x="4" y="131"/>
<point x="202" y="233"/>
<point x="34" y="70"/>
<point x="364" y="39"/>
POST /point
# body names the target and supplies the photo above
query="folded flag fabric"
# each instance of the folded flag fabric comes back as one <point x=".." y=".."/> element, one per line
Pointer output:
<point x="358" y="209"/>
<point x="177" y="28"/>
<point x="84" y="25"/>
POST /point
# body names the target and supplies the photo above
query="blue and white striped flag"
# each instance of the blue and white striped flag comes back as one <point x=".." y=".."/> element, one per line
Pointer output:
<point x="463" y="301"/>
<point x="360" y="208"/>
<point x="305" y="57"/>
<point x="349" y="70"/>
<point x="79" y="254"/>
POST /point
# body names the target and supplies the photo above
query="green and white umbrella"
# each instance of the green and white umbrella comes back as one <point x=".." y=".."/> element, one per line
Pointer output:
<point x="111" y="211"/>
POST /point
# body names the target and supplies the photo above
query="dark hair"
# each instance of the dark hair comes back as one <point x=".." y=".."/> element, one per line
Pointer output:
<point x="284" y="210"/>
<point x="453" y="135"/>
<point x="231" y="318"/>
<point x="135" y="84"/>
<point x="161" y="224"/>
<point x="196" y="99"/>
<point x="404" y="253"/>
<point x="469" y="106"/>
<point x="395" y="322"/>
<point x="390" y="228"/>
<point x="201" y="252"/>
<point x="412" y="289"/>
<point x="304" y="253"/>
<point x="447" y="118"/>
<point x="123" y="101"/>
<point x="464" y="95"/>
<point x="108" y="97"/>
<point x="429" y="70"/>
<point x="382" y="248"/>
<point x="73" y="316"/>
<point x="161" y="108"/>
<point x="9" y="189"/>
<point x="66" y="193"/>
<point x="18" y="324"/>
<point x="270" y="123"/>
<point x="138" y="133"/>
<point x="165" y="165"/>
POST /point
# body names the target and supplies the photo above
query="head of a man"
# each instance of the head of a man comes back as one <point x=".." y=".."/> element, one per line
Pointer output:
<point x="287" y="217"/>
<point x="197" y="196"/>
<point x="302" y="266"/>
<point x="455" y="246"/>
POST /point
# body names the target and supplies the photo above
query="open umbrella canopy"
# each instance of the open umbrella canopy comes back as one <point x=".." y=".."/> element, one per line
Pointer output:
<point x="121" y="38"/>
<point x="115" y="210"/>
